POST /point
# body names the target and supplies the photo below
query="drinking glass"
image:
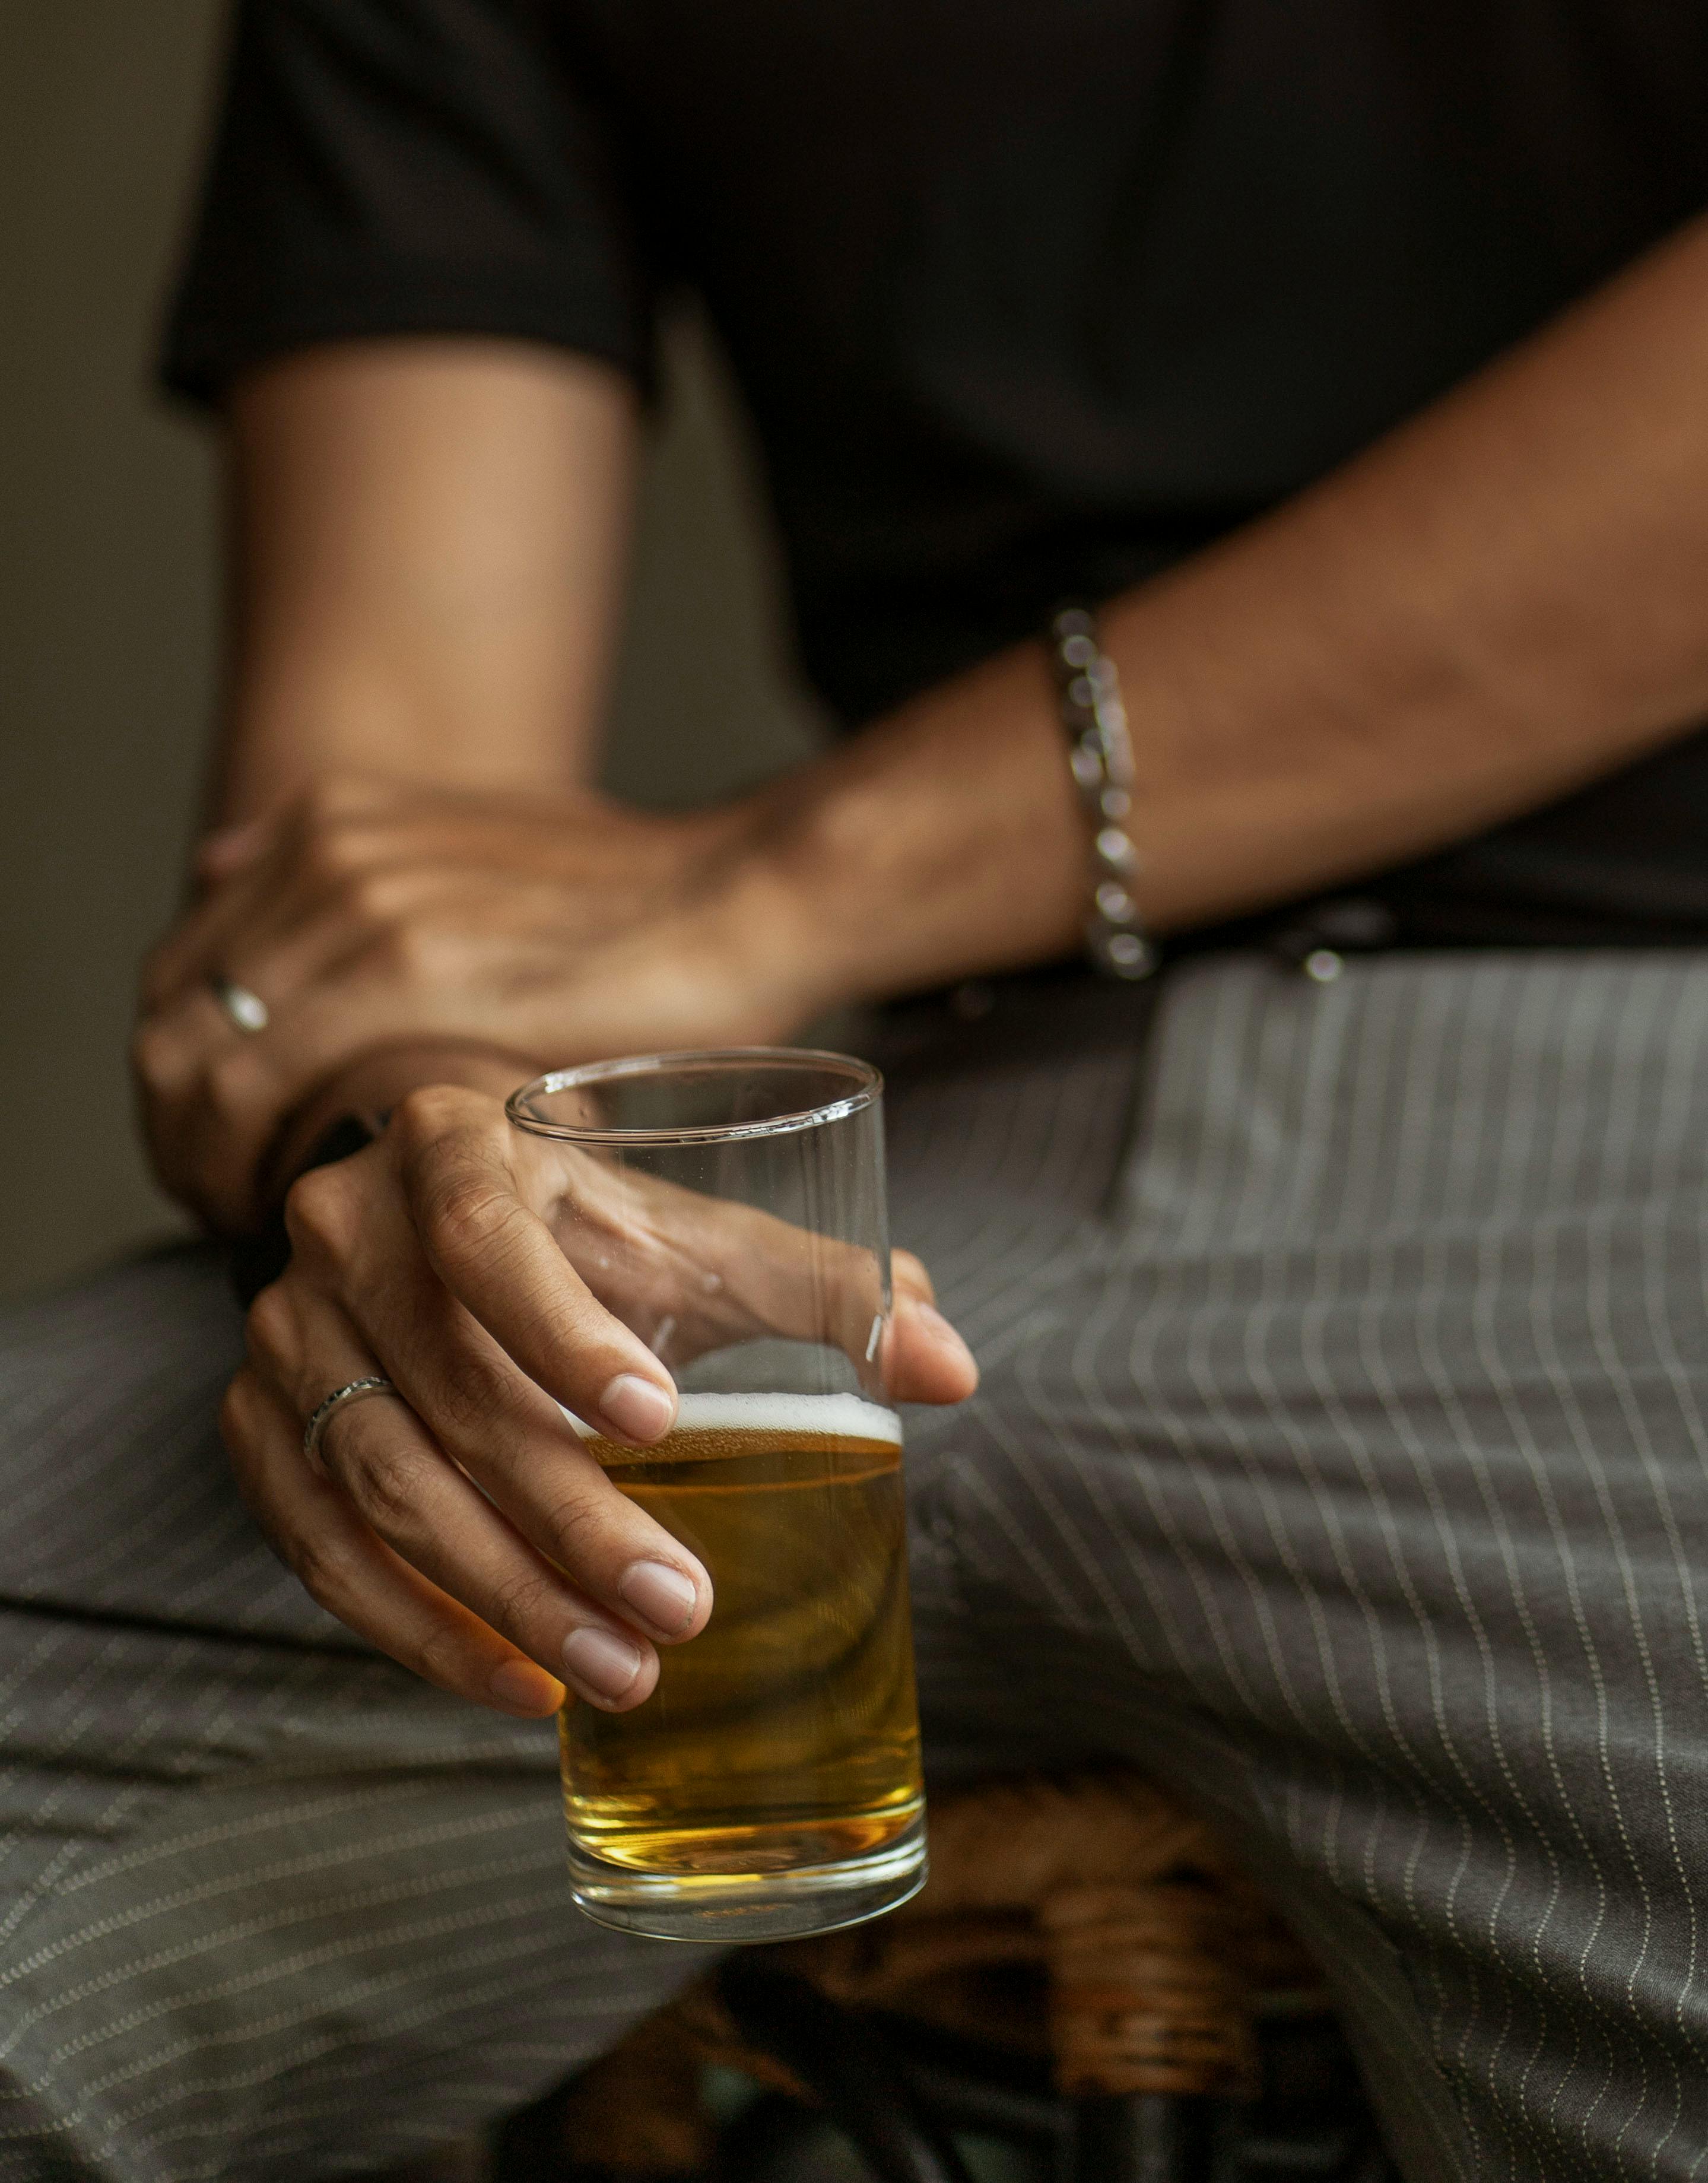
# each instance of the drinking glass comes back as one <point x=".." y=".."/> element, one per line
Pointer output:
<point x="729" y="1207"/>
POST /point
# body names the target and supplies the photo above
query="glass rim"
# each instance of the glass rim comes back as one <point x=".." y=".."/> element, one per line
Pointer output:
<point x="867" y="1085"/>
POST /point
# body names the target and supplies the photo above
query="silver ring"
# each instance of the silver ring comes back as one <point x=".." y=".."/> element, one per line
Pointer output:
<point x="353" y="1391"/>
<point x="248" y="1010"/>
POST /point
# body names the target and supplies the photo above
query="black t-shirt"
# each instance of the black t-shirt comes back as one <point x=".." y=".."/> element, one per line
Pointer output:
<point x="1028" y="297"/>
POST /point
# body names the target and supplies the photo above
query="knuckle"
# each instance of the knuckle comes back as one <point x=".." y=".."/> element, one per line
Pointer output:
<point x="424" y="1119"/>
<point x="463" y="1208"/>
<point x="368" y="897"/>
<point x="578" y="1523"/>
<point x="320" y="1213"/>
<point x="328" y="855"/>
<point x="520" y="1600"/>
<point x="235" y="1080"/>
<point x="473" y="1394"/>
<point x="238" y="1408"/>
<point x="330" y="844"/>
<point x="324" y="1565"/>
<point x="452" y="1166"/>
<point x="271" y="1331"/>
<point x="409" y="949"/>
<point x="381" y="1475"/>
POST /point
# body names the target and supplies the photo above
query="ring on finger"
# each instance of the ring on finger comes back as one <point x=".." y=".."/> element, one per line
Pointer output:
<point x="245" y="1010"/>
<point x="353" y="1391"/>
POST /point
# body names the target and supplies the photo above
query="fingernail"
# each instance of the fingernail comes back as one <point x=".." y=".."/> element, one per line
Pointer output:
<point x="638" y="1409"/>
<point x="522" y="1687"/>
<point x="600" y="1663"/>
<point x="659" y="1595"/>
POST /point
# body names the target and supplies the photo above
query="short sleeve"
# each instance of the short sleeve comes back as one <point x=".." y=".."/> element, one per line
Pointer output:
<point x="407" y="167"/>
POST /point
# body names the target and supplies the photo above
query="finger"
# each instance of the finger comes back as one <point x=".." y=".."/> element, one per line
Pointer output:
<point x="696" y="1272"/>
<point x="194" y="950"/>
<point x="693" y="1272"/>
<point x="524" y="1455"/>
<point x="924" y="1359"/>
<point x="276" y="926"/>
<point x="282" y="870"/>
<point x="214" y="1098"/>
<point x="507" y="1435"/>
<point x="500" y="1260"/>
<point x="183" y="1066"/>
<point x="506" y="1267"/>
<point x="427" y="1511"/>
<point x="313" y="1527"/>
<point x="211" y="1104"/>
<point x="361" y="928"/>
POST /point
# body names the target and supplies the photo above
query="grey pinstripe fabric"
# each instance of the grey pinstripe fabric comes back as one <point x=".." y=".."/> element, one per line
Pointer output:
<point x="1339" y="1458"/>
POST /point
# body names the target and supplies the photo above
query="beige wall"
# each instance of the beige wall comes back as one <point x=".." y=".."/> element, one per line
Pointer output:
<point x="107" y="603"/>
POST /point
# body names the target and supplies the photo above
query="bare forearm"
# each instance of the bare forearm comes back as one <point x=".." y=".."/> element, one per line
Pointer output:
<point x="1499" y="602"/>
<point x="428" y="548"/>
<point x="428" y="544"/>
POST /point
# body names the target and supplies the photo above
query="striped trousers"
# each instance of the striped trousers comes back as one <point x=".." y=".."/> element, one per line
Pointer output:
<point x="1341" y="1459"/>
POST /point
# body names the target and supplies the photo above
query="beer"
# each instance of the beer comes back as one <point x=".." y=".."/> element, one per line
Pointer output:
<point x="784" y="1736"/>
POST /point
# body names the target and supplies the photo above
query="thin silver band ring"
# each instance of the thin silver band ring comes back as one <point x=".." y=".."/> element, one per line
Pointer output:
<point x="247" y="1010"/>
<point x="353" y="1391"/>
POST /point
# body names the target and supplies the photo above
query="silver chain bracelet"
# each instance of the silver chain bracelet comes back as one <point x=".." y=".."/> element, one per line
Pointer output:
<point x="1101" y="755"/>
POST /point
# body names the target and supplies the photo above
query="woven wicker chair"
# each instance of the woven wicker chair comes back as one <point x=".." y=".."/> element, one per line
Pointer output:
<point x="1086" y="1963"/>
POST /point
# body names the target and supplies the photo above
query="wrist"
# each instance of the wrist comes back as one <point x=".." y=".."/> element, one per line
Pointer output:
<point x="944" y="843"/>
<point x="755" y="933"/>
<point x="370" y="1084"/>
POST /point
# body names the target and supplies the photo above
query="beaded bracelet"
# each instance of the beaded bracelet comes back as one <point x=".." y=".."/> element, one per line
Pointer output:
<point x="1101" y="755"/>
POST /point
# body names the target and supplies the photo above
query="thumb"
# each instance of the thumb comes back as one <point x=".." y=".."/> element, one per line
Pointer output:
<point x="925" y="1360"/>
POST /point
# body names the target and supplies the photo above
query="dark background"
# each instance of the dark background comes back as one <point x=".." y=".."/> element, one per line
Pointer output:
<point x="108" y="602"/>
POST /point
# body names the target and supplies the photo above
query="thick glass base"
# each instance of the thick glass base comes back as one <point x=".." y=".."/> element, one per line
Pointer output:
<point x="721" y="1908"/>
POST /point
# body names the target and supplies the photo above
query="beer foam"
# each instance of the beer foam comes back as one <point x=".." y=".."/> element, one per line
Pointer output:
<point x="848" y="1416"/>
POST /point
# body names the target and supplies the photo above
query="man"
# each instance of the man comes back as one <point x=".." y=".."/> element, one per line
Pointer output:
<point x="1342" y="1416"/>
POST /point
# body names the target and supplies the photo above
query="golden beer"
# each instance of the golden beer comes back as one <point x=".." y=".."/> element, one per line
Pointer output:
<point x="785" y="1736"/>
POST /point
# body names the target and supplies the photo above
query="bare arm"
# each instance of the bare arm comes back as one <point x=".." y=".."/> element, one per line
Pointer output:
<point x="1499" y="601"/>
<point x="428" y="546"/>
